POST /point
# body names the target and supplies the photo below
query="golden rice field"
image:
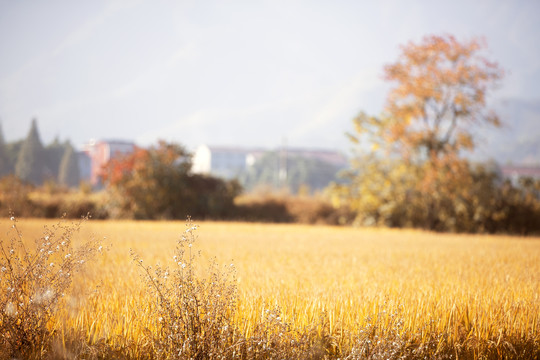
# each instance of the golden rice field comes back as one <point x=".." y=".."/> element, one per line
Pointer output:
<point x="475" y="292"/>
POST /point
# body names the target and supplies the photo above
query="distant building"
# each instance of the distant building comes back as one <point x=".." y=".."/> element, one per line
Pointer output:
<point x="278" y="167"/>
<point x="85" y="165"/>
<point x="516" y="172"/>
<point x="222" y="161"/>
<point x="99" y="154"/>
<point x="328" y="156"/>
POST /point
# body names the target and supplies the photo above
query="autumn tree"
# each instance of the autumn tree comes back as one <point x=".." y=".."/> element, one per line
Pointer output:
<point x="148" y="183"/>
<point x="440" y="93"/>
<point x="157" y="183"/>
<point x="410" y="169"/>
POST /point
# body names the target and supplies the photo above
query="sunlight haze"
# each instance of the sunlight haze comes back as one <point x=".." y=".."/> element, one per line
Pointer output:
<point x="231" y="73"/>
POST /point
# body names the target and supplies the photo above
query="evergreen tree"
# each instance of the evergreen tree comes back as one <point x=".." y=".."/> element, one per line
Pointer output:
<point x="12" y="151"/>
<point x="30" y="164"/>
<point x="4" y="159"/>
<point x="54" y="152"/>
<point x="68" y="174"/>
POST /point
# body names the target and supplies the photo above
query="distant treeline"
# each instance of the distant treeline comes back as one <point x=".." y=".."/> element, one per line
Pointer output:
<point x="32" y="162"/>
<point x="153" y="183"/>
<point x="58" y="162"/>
<point x="157" y="183"/>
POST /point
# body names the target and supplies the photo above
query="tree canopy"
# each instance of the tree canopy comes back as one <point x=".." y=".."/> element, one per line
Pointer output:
<point x="439" y="94"/>
<point x="413" y="173"/>
<point x="157" y="183"/>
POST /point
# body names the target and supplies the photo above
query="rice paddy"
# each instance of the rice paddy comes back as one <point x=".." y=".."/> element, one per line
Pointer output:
<point x="474" y="292"/>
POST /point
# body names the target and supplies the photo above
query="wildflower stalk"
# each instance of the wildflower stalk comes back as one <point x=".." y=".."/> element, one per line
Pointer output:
<point x="33" y="282"/>
<point x="195" y="313"/>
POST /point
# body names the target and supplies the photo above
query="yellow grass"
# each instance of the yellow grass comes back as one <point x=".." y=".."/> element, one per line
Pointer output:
<point x="467" y="286"/>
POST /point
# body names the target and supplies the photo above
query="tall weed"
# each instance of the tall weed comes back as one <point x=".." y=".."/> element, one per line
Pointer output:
<point x="194" y="310"/>
<point x="34" y="281"/>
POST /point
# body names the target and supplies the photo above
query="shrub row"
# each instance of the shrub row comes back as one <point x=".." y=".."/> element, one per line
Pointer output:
<point x="279" y="208"/>
<point x="26" y="200"/>
<point x="488" y="207"/>
<point x="215" y="202"/>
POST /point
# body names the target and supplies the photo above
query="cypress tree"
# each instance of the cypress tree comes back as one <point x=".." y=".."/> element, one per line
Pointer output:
<point x="30" y="164"/>
<point x="68" y="174"/>
<point x="12" y="151"/>
<point x="4" y="159"/>
<point x="53" y="154"/>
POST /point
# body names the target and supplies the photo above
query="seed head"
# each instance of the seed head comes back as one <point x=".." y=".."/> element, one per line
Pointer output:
<point x="10" y="309"/>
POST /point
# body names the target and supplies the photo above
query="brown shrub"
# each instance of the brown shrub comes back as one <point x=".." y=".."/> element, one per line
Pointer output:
<point x="34" y="281"/>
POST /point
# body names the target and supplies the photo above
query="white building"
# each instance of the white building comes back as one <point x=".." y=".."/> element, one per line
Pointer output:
<point x="516" y="172"/>
<point x="226" y="162"/>
<point x="229" y="162"/>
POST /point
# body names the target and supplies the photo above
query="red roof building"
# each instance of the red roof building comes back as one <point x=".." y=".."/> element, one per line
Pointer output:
<point x="100" y="152"/>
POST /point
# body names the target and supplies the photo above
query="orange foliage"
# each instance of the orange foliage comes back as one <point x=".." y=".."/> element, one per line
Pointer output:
<point x="441" y="90"/>
<point x="415" y="174"/>
<point x="115" y="170"/>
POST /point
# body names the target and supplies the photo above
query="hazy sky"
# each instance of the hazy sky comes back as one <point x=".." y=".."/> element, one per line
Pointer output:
<point x="230" y="72"/>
